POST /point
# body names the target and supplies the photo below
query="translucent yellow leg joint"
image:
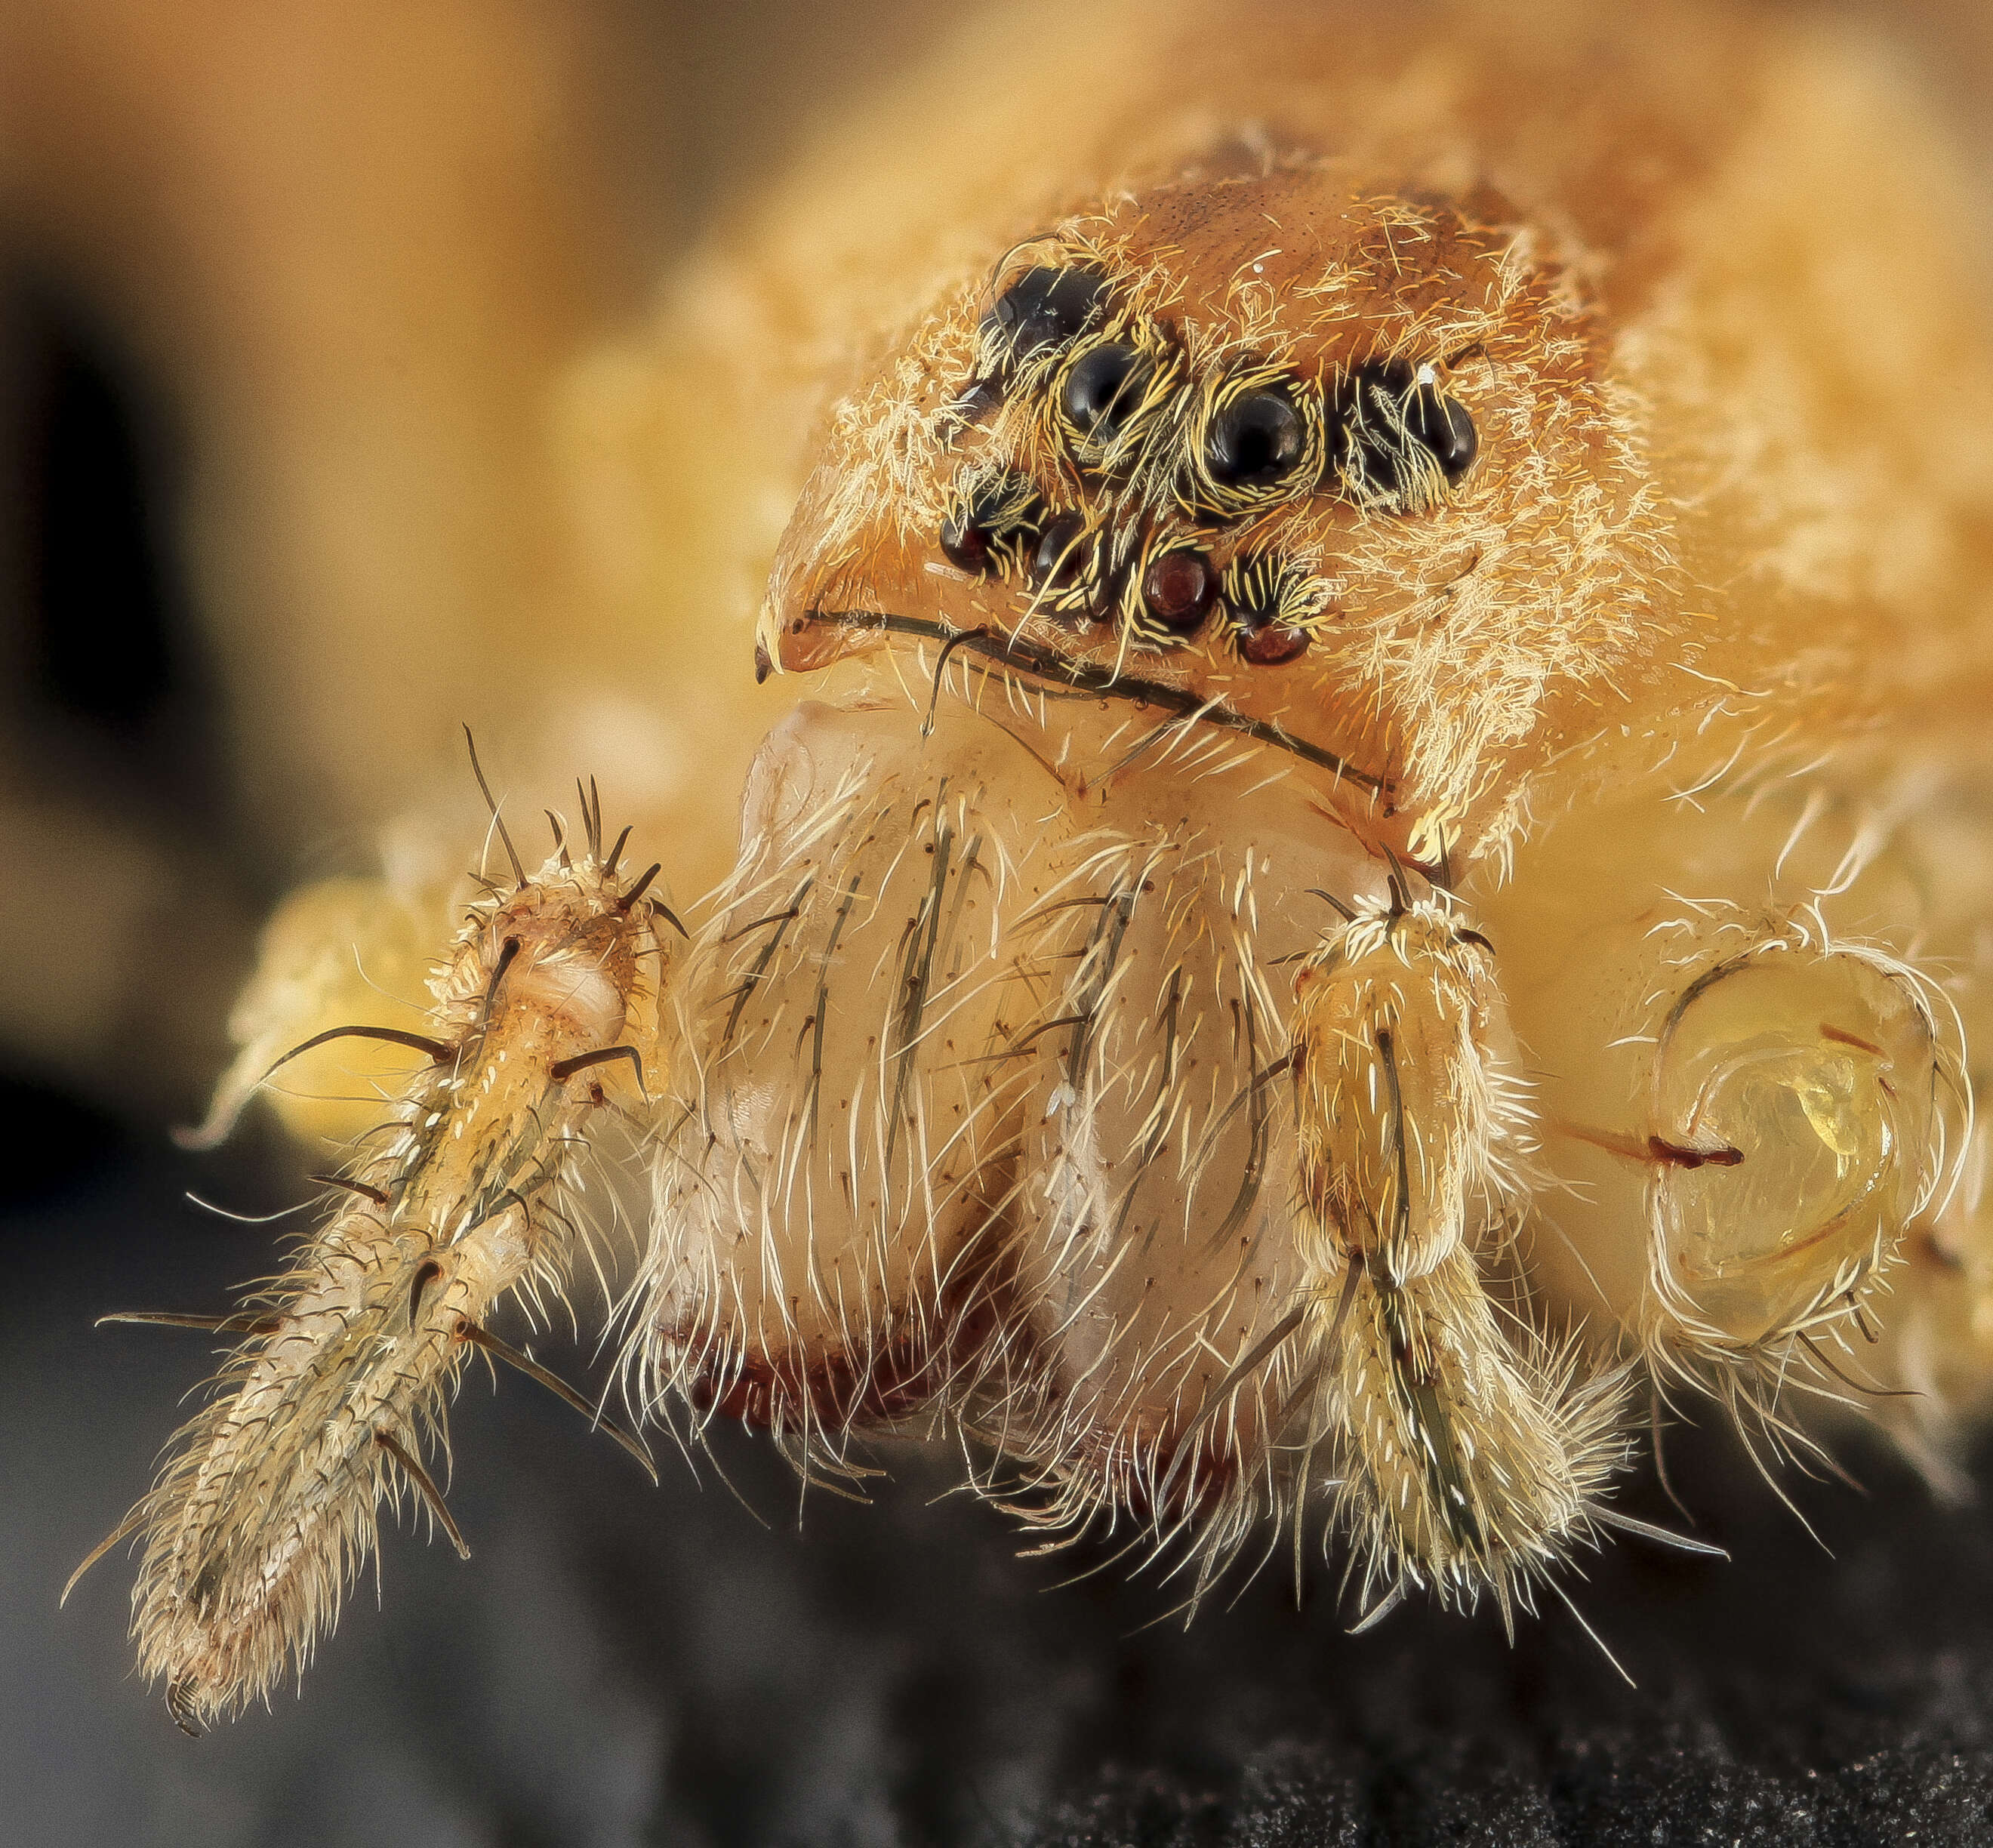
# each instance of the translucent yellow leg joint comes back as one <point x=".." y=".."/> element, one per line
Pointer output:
<point x="547" y="1012"/>
<point x="340" y="952"/>
<point x="1806" y="1107"/>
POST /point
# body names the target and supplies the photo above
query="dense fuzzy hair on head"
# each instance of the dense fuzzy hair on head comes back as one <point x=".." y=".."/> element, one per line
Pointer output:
<point x="1403" y="404"/>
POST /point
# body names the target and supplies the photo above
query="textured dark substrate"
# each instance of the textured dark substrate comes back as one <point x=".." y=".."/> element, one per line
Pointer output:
<point x="621" y="1665"/>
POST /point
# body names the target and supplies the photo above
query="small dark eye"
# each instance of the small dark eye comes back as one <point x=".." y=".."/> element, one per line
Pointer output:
<point x="1062" y="554"/>
<point x="1443" y="426"/>
<point x="1178" y="589"/>
<point x="1101" y="389"/>
<point x="1273" y="605"/>
<point x="1074" y="579"/>
<point x="965" y="545"/>
<point x="1257" y="438"/>
<point x="993" y="525"/>
<point x="975" y="401"/>
<point x="1044" y="308"/>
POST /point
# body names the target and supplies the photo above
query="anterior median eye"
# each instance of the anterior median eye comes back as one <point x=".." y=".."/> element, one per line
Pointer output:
<point x="1258" y="437"/>
<point x="1273" y="605"/>
<point x="1044" y="308"/>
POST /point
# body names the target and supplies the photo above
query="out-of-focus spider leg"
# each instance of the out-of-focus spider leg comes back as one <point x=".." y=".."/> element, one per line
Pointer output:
<point x="548" y="1003"/>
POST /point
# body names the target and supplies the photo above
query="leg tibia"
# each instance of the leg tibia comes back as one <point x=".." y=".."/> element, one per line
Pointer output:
<point x="545" y="1010"/>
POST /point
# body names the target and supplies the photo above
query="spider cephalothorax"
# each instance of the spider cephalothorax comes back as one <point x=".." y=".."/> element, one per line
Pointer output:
<point x="1346" y="466"/>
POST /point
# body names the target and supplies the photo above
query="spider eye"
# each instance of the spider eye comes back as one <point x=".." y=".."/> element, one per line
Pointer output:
<point x="1177" y="588"/>
<point x="1407" y="438"/>
<point x="992" y="525"/>
<point x="1443" y="426"/>
<point x="1071" y="573"/>
<point x="1256" y="439"/>
<point x="1274" y="605"/>
<point x="1101" y="389"/>
<point x="1044" y="308"/>
<point x="1259" y="436"/>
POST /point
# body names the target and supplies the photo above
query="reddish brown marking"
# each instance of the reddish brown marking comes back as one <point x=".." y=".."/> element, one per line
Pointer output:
<point x="1842" y="1037"/>
<point x="1654" y="1149"/>
<point x="1273" y="645"/>
<point x="1676" y="1156"/>
<point x="837" y="1391"/>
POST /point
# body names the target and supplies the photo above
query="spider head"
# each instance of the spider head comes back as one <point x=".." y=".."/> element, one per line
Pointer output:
<point x="1349" y="463"/>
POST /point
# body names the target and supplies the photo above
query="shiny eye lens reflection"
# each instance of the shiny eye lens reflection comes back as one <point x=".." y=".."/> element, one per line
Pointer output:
<point x="1177" y="588"/>
<point x="1443" y="426"/>
<point x="1257" y="438"/>
<point x="1102" y="390"/>
<point x="1045" y="308"/>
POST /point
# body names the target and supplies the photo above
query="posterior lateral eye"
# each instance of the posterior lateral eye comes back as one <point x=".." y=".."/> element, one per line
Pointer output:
<point x="1045" y="308"/>
<point x="1407" y="440"/>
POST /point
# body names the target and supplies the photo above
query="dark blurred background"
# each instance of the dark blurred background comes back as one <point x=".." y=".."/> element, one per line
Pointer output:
<point x="619" y="1664"/>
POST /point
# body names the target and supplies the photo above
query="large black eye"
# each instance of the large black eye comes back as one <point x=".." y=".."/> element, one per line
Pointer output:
<point x="1256" y="439"/>
<point x="1101" y="389"/>
<point x="1259" y="436"/>
<point x="1044" y="308"/>
<point x="1406" y="439"/>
